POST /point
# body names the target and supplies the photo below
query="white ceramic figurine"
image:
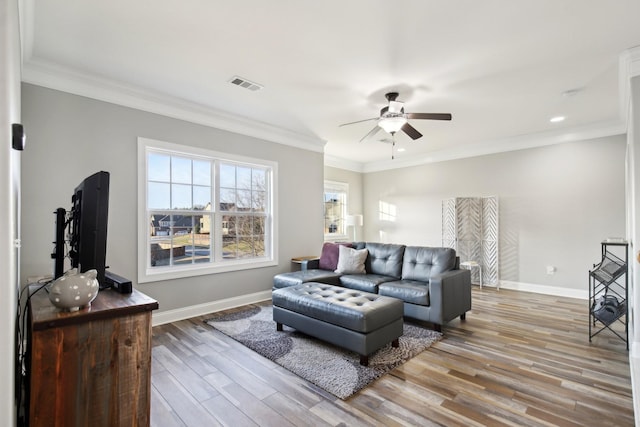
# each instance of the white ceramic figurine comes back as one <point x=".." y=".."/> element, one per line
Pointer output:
<point x="74" y="290"/>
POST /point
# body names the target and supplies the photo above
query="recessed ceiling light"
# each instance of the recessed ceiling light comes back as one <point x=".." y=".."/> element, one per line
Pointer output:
<point x="557" y="119"/>
<point x="400" y="150"/>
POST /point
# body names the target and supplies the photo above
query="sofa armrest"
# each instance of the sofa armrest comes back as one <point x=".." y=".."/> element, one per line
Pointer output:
<point x="313" y="264"/>
<point x="450" y="295"/>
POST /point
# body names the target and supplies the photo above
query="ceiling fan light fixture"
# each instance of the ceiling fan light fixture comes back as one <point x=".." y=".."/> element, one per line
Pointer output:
<point x="392" y="124"/>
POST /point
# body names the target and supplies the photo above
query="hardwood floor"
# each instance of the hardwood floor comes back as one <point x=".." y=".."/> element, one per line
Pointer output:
<point x="519" y="359"/>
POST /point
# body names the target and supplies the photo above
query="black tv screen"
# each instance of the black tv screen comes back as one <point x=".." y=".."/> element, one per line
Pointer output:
<point x="88" y="233"/>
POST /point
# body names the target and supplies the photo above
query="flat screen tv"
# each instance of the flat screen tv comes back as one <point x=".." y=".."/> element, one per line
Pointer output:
<point x="87" y="227"/>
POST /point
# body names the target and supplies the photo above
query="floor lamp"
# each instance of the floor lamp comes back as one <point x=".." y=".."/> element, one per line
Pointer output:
<point x="354" y="221"/>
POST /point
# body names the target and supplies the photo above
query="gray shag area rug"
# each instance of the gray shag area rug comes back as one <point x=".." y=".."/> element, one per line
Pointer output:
<point x="331" y="368"/>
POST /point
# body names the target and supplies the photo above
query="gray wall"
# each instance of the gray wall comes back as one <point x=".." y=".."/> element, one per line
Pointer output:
<point x="71" y="137"/>
<point x="556" y="204"/>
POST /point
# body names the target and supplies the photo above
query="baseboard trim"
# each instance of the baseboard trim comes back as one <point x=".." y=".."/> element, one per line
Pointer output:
<point x="169" y="316"/>
<point x="545" y="289"/>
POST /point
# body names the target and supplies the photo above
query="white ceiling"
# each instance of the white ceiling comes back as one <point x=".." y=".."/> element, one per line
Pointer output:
<point x="501" y="67"/>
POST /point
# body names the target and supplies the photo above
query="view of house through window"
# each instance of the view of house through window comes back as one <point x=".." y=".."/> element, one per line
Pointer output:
<point x="335" y="209"/>
<point x="178" y="192"/>
<point x="205" y="211"/>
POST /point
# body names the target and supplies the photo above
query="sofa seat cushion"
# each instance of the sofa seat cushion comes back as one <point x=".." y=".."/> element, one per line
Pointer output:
<point x="284" y="280"/>
<point x="364" y="282"/>
<point x="354" y="310"/>
<point x="411" y="291"/>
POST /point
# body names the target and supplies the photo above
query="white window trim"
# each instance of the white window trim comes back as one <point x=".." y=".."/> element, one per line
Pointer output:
<point x="341" y="187"/>
<point x="146" y="274"/>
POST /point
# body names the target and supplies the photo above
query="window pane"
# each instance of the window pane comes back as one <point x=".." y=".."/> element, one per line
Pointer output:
<point x="202" y="172"/>
<point x="244" y="226"/>
<point x="259" y="179"/>
<point x="244" y="200"/>
<point x="202" y="248"/>
<point x="205" y="225"/>
<point x="244" y="177"/>
<point x="258" y="246"/>
<point x="227" y="175"/>
<point x="160" y="250"/>
<point x="258" y="226"/>
<point x="159" y="196"/>
<point x="201" y="197"/>
<point x="181" y="225"/>
<point x="229" y="244"/>
<point x="229" y="247"/>
<point x="180" y="170"/>
<point x="158" y="167"/>
<point x="180" y="196"/>
<point x="227" y="200"/>
<point x="179" y="240"/>
<point x="259" y="202"/>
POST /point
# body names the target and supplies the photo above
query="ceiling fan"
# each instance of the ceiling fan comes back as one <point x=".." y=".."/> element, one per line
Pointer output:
<point x="393" y="118"/>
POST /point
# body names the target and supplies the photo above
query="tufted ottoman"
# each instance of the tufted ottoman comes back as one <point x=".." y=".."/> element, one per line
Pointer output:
<point x="355" y="320"/>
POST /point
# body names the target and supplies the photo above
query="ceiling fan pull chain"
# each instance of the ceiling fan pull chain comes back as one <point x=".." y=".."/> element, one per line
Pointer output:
<point x="393" y="145"/>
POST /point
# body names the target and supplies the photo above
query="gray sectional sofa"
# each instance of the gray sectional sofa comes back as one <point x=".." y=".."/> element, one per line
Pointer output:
<point x="427" y="279"/>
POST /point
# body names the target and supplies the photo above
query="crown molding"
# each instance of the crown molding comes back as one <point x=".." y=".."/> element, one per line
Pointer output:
<point x="53" y="76"/>
<point x="340" y="163"/>
<point x="628" y="67"/>
<point x="542" y="139"/>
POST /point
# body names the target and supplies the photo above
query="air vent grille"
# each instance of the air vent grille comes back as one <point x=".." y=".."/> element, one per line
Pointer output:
<point x="247" y="84"/>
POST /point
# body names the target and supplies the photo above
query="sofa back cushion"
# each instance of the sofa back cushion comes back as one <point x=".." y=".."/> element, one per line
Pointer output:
<point x="329" y="256"/>
<point x="420" y="262"/>
<point x="385" y="259"/>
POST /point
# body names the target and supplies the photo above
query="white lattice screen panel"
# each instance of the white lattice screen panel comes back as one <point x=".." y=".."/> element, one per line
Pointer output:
<point x="470" y="226"/>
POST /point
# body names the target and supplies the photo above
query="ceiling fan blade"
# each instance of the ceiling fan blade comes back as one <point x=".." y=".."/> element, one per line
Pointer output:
<point x="371" y="133"/>
<point x="359" y="121"/>
<point x="429" y="116"/>
<point x="411" y="131"/>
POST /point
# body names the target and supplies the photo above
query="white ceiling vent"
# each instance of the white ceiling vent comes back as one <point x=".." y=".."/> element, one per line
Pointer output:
<point x="242" y="82"/>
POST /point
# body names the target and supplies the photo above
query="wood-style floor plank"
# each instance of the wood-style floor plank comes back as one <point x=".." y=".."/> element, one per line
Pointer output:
<point x="519" y="359"/>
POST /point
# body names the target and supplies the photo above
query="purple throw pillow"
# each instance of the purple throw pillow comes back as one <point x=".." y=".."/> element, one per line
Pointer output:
<point x="329" y="256"/>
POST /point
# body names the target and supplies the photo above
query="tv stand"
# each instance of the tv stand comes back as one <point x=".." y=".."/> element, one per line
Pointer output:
<point x="90" y="367"/>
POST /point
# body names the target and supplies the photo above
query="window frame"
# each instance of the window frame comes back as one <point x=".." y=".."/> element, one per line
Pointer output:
<point x="217" y="264"/>
<point x="336" y="187"/>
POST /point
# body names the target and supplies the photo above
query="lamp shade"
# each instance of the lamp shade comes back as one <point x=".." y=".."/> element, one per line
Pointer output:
<point x="353" y="220"/>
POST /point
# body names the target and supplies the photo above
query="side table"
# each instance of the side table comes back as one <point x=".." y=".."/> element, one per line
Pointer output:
<point x="302" y="261"/>
<point x="470" y="265"/>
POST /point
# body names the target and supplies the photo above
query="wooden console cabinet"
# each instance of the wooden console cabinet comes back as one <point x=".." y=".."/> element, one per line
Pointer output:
<point x="90" y="367"/>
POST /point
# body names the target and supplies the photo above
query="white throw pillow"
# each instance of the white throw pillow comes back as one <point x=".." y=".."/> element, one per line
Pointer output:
<point x="351" y="261"/>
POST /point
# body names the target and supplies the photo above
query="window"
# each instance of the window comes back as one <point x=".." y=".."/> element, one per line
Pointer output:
<point x="202" y="212"/>
<point x="335" y="210"/>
